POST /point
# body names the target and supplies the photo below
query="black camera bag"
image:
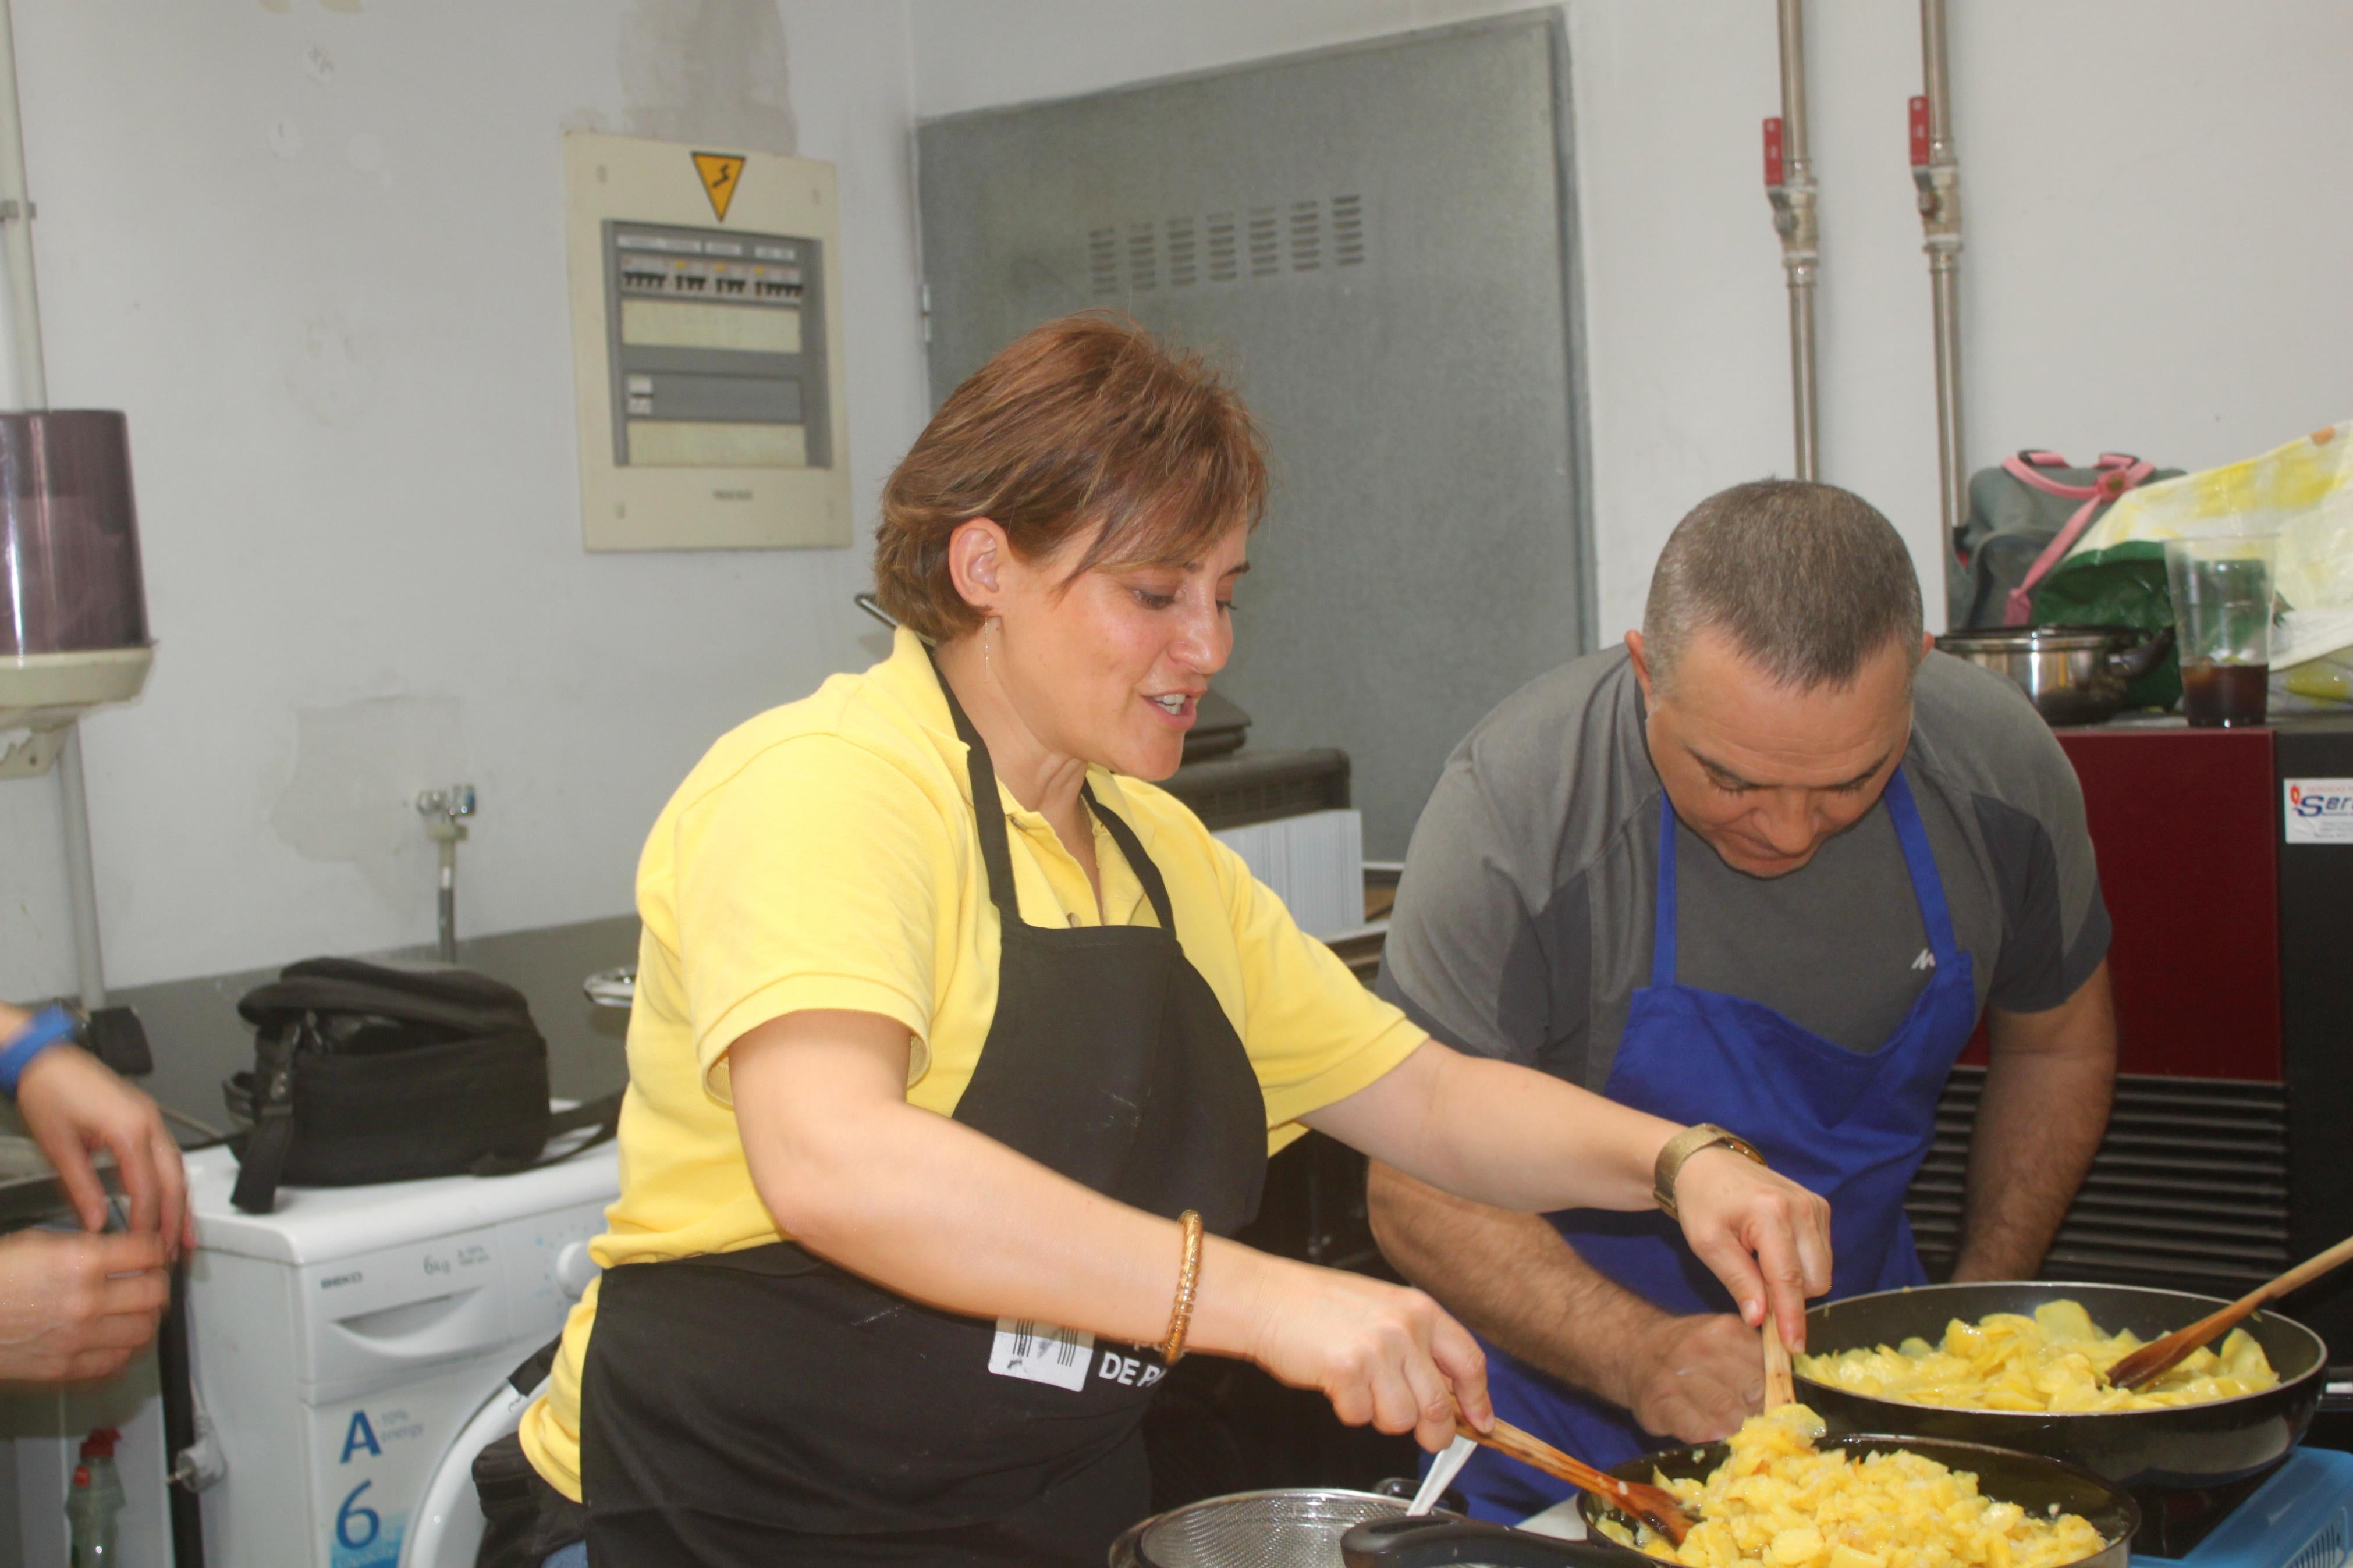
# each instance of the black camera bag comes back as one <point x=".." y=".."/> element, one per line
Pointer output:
<point x="364" y="1073"/>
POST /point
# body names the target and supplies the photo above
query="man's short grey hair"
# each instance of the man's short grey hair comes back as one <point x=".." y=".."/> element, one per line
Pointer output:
<point x="1807" y="581"/>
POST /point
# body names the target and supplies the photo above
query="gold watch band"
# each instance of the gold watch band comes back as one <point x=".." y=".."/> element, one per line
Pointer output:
<point x="1681" y="1147"/>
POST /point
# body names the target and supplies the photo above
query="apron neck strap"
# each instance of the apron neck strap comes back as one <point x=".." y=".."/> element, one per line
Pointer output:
<point x="1928" y="886"/>
<point x="1911" y="836"/>
<point x="988" y="814"/>
<point x="1137" y="861"/>
<point x="1662" y="933"/>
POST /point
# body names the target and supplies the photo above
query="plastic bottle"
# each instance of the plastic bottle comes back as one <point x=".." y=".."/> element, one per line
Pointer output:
<point x="95" y="1503"/>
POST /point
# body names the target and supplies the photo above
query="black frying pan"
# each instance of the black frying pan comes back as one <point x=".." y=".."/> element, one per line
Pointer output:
<point x="2033" y="1482"/>
<point x="2187" y="1447"/>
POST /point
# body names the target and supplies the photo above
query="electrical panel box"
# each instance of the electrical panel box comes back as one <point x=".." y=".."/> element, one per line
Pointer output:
<point x="706" y="347"/>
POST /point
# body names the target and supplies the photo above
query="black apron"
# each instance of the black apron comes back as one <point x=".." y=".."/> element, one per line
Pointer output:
<point x="764" y="1407"/>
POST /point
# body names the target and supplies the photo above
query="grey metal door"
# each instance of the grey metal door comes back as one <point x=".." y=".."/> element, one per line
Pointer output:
<point x="1380" y="239"/>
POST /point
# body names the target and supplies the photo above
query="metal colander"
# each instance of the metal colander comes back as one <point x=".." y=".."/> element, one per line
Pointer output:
<point x="1293" y="1529"/>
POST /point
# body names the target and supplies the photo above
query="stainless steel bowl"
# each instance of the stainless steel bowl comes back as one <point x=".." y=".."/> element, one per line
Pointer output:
<point x="2072" y="675"/>
<point x="1294" y="1528"/>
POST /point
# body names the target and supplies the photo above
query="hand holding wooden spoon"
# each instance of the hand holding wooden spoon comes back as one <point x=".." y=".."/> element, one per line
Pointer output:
<point x="1654" y="1506"/>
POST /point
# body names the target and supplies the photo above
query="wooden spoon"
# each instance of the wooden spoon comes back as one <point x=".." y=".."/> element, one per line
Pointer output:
<point x="1654" y="1506"/>
<point x="2156" y="1358"/>
<point x="1780" y="1387"/>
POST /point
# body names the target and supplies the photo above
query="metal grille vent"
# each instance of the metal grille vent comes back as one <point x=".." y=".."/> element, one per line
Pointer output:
<point x="1265" y="243"/>
<point x="1347" y="231"/>
<point x="1187" y="252"/>
<point x="1306" y="236"/>
<point x="2189" y="1190"/>
<point x="1225" y="254"/>
<point x="1142" y="260"/>
<point x="1102" y="259"/>
<point x="1181" y="266"/>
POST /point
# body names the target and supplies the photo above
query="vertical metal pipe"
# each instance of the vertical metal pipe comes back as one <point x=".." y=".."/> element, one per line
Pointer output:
<point x="81" y="884"/>
<point x="448" y="923"/>
<point x="1796" y="219"/>
<point x="33" y="391"/>
<point x="1938" y="183"/>
<point x="16" y="229"/>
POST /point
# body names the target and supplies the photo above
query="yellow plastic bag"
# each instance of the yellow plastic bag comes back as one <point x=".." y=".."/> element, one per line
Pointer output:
<point x="2303" y="492"/>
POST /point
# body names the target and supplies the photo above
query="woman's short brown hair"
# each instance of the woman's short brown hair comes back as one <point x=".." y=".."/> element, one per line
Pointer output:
<point x="1086" y="420"/>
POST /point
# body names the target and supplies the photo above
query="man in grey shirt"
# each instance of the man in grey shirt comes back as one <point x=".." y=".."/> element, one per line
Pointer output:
<point x="1763" y="867"/>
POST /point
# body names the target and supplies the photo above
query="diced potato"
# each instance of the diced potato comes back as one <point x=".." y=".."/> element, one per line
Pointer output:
<point x="2050" y="1362"/>
<point x="1776" y="1502"/>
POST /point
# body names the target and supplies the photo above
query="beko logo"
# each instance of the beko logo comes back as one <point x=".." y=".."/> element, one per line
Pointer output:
<point x="333" y="1281"/>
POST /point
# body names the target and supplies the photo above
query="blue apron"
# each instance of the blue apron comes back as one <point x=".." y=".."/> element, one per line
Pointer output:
<point x="1851" y="1126"/>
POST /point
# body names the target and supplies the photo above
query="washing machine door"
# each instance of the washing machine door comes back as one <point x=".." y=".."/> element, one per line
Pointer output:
<point x="447" y="1528"/>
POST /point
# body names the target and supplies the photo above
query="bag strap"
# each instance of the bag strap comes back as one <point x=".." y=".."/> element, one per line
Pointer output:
<point x="603" y="1113"/>
<point x="2118" y="473"/>
<point x="264" y="1159"/>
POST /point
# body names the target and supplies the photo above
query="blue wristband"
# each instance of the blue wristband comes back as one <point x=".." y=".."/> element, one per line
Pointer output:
<point x="49" y="1026"/>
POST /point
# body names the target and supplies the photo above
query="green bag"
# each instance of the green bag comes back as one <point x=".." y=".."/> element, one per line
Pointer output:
<point x="2008" y="563"/>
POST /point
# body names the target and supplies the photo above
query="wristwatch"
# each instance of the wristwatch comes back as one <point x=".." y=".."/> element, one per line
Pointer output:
<point x="1681" y="1147"/>
<point x="50" y="1026"/>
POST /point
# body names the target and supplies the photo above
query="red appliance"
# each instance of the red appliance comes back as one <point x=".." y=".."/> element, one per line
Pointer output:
<point x="2232" y="963"/>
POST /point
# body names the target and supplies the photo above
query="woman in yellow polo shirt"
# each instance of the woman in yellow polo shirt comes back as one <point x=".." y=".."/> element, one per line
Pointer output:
<point x="958" y="1050"/>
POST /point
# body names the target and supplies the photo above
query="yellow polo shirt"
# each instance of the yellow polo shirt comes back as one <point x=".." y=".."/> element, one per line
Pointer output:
<point x="824" y="855"/>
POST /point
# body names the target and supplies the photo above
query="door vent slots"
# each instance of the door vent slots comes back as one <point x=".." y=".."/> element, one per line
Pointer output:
<point x="1102" y="259"/>
<point x="1306" y="236"/>
<point x="1143" y="259"/>
<point x="1225" y="258"/>
<point x="1229" y="246"/>
<point x="2188" y="1189"/>
<point x="1181" y="269"/>
<point x="1347" y="230"/>
<point x="1265" y="243"/>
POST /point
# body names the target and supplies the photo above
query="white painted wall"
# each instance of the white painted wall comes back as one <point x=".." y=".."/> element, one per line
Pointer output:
<point x="2157" y="255"/>
<point x="315" y="248"/>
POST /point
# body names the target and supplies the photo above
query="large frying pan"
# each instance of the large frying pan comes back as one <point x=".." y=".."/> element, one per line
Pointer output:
<point x="2186" y="1446"/>
<point x="2033" y="1482"/>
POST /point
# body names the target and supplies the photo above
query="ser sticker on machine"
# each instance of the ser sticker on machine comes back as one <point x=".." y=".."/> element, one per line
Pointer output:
<point x="2318" y="811"/>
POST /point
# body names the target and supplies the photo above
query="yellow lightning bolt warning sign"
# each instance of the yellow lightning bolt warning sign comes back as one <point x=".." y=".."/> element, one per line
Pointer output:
<point x="718" y="170"/>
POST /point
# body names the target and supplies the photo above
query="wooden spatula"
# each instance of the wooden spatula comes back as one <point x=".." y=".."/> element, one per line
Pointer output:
<point x="1654" y="1506"/>
<point x="1780" y="1387"/>
<point x="2157" y="1357"/>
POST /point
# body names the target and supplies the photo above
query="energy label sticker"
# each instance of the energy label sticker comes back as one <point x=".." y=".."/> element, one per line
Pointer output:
<point x="2318" y="811"/>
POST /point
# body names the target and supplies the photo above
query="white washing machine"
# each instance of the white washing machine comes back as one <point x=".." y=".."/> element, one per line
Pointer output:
<point x="350" y="1352"/>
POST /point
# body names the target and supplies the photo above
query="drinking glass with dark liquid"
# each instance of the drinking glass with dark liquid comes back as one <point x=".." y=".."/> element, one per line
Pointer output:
<point x="2223" y="615"/>
<point x="2224" y="695"/>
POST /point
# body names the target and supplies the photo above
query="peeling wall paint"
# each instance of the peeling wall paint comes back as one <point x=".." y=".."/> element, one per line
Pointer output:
<point x="708" y="70"/>
<point x="357" y="770"/>
<point x="348" y="377"/>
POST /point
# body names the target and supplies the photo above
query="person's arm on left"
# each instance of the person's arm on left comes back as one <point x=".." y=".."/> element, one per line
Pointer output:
<point x="73" y="1105"/>
<point x="2044" y="1107"/>
<point x="1517" y="1139"/>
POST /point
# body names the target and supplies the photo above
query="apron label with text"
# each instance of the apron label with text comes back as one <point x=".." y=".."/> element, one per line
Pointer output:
<point x="1041" y="1352"/>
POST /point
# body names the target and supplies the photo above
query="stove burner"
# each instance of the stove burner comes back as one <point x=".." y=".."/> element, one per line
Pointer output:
<point x="2299" y="1515"/>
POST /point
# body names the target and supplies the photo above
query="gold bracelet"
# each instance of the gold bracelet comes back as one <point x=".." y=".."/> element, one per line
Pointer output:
<point x="1681" y="1147"/>
<point x="1188" y="1281"/>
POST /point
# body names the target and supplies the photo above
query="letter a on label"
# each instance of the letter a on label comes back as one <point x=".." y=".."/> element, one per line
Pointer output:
<point x="718" y="170"/>
<point x="361" y="1436"/>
